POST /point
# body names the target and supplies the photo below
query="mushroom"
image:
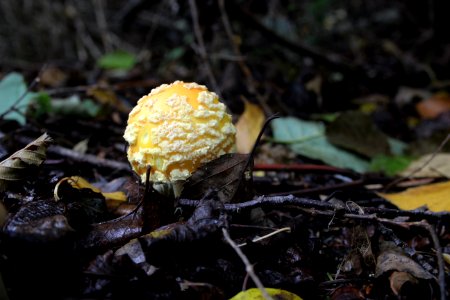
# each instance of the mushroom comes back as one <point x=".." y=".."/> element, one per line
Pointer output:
<point x="175" y="129"/>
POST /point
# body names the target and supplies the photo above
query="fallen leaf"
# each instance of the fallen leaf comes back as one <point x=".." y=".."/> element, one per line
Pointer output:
<point x="78" y="182"/>
<point x="256" y="294"/>
<point x="308" y="139"/>
<point x="248" y="127"/>
<point x="357" y="132"/>
<point x="107" y="96"/>
<point x="398" y="279"/>
<point x="389" y="165"/>
<point x="439" y="166"/>
<point x="13" y="89"/>
<point x="17" y="166"/>
<point x="434" y="196"/>
<point x="224" y="174"/>
<point x="345" y="292"/>
<point x="53" y="76"/>
<point x="433" y="106"/>
<point x="74" y="106"/>
<point x="392" y="258"/>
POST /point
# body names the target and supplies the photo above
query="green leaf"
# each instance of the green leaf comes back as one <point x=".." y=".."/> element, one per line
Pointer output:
<point x="43" y="105"/>
<point x="308" y="139"/>
<point x="13" y="88"/>
<point x="117" y="60"/>
<point x="390" y="165"/>
<point x="73" y="105"/>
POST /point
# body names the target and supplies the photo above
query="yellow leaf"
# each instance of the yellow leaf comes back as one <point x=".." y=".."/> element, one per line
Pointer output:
<point x="248" y="127"/>
<point x="78" y="182"/>
<point x="446" y="258"/>
<point x="434" y="196"/>
<point x="255" y="294"/>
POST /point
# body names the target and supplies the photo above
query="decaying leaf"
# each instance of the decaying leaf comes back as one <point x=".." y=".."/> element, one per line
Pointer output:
<point x="114" y="232"/>
<point x="200" y="233"/>
<point x="398" y="279"/>
<point x="406" y="278"/>
<point x="107" y="97"/>
<point x="438" y="166"/>
<point x="226" y="174"/>
<point x="248" y="127"/>
<point x="346" y="292"/>
<point x="434" y="196"/>
<point x="17" y="166"/>
<point x="356" y="131"/>
<point x="256" y="294"/>
<point x="38" y="221"/>
<point x="392" y="258"/>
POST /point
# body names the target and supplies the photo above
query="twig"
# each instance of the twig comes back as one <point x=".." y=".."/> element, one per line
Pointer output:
<point x="398" y="180"/>
<point x="278" y="201"/>
<point x="248" y="266"/>
<point x="89" y="158"/>
<point x="201" y="46"/>
<point x="259" y="239"/>
<point x="440" y="260"/>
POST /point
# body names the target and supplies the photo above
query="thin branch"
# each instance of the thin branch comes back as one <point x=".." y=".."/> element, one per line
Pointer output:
<point x="89" y="158"/>
<point x="277" y="201"/>
<point x="201" y="46"/>
<point x="439" y="257"/>
<point x="248" y="265"/>
<point x="259" y="239"/>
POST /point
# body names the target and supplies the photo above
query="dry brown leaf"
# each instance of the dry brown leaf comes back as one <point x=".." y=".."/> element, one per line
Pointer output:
<point x="398" y="279"/>
<point x="248" y="127"/>
<point x="434" y="106"/>
<point x="16" y="167"/>
<point x="224" y="174"/>
<point x="434" y="196"/>
<point x="393" y="259"/>
<point x="439" y="166"/>
<point x="107" y="96"/>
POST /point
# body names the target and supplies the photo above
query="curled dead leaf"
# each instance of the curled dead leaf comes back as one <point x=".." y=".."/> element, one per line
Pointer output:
<point x="17" y="166"/>
<point x="78" y="182"/>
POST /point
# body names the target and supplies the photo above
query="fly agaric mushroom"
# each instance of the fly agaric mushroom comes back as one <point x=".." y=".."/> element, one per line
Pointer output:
<point x="174" y="129"/>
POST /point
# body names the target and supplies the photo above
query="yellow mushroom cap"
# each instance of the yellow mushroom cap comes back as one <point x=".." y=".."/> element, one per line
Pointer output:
<point x="175" y="129"/>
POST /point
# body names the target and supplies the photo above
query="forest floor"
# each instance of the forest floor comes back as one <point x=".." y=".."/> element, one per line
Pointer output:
<point x="338" y="189"/>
